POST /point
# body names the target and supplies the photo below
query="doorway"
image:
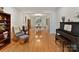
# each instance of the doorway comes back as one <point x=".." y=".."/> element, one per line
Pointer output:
<point x="38" y="19"/>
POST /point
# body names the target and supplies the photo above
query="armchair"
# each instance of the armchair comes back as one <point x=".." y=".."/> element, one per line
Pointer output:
<point x="21" y="35"/>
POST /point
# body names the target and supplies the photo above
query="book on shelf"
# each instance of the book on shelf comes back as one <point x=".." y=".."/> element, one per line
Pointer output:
<point x="5" y="35"/>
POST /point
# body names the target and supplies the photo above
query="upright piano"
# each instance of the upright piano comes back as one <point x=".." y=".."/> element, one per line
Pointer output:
<point x="70" y="37"/>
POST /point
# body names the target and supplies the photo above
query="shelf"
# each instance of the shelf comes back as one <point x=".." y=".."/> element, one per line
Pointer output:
<point x="2" y="21"/>
<point x="4" y="26"/>
<point x="2" y="13"/>
<point x="1" y="41"/>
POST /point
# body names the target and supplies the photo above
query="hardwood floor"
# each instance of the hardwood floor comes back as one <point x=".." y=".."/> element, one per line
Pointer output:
<point x="44" y="43"/>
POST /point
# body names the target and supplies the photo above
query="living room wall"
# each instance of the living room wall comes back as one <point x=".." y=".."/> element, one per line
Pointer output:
<point x="69" y="13"/>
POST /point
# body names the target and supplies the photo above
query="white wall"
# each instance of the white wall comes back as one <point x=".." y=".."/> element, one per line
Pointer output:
<point x="69" y="13"/>
<point x="53" y="22"/>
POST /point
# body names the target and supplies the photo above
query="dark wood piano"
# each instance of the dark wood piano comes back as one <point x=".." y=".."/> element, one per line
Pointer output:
<point x="70" y="38"/>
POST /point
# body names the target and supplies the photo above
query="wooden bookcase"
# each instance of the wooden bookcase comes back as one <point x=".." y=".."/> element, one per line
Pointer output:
<point x="5" y="32"/>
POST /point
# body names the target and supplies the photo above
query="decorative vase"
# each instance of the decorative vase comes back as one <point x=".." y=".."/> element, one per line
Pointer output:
<point x="63" y="19"/>
<point x="68" y="20"/>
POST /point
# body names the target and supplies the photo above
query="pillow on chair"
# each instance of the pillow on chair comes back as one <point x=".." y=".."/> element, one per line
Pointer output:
<point x="17" y="30"/>
<point x="20" y="33"/>
<point x="23" y="37"/>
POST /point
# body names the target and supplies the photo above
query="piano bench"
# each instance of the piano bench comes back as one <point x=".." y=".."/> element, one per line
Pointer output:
<point x="63" y="42"/>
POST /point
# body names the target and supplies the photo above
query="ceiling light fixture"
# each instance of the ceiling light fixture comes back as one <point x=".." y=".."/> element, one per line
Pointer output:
<point x="38" y="14"/>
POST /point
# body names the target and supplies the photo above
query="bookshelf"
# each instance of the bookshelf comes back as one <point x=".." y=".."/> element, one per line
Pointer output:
<point x="4" y="29"/>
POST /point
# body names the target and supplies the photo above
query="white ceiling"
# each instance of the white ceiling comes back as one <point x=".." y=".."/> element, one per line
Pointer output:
<point x="37" y="9"/>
